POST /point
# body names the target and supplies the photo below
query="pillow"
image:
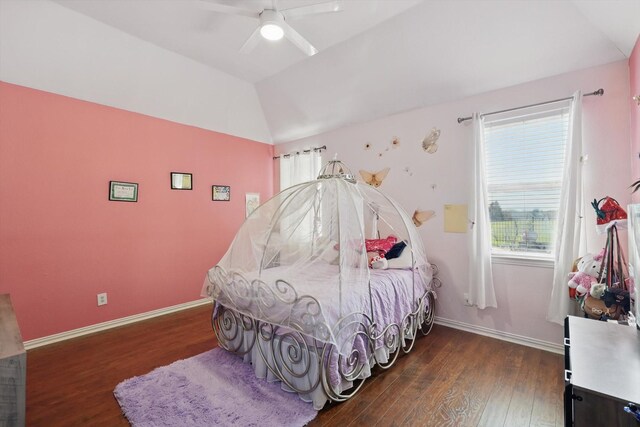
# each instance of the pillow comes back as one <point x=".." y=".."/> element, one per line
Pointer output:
<point x="380" y="245"/>
<point x="396" y="250"/>
<point x="403" y="261"/>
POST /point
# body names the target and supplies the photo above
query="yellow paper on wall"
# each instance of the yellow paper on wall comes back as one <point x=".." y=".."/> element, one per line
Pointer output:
<point x="455" y="218"/>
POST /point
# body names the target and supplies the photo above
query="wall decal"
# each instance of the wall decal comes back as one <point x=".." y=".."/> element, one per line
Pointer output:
<point x="420" y="217"/>
<point x="374" y="179"/>
<point x="395" y="143"/>
<point x="429" y="142"/>
<point x="382" y="152"/>
<point x="367" y="146"/>
<point x="408" y="170"/>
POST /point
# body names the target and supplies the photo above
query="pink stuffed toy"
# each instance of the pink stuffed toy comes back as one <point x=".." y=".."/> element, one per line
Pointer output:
<point x="587" y="274"/>
<point x="379" y="263"/>
<point x="581" y="282"/>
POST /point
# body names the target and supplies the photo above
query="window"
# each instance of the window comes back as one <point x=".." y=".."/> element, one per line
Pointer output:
<point x="299" y="167"/>
<point x="524" y="159"/>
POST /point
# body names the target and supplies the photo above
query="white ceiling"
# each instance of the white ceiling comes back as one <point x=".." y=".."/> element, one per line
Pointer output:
<point x="379" y="57"/>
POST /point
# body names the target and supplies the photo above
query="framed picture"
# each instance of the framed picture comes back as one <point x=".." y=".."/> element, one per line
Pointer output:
<point x="181" y="181"/>
<point x="252" y="201"/>
<point x="221" y="193"/>
<point x="123" y="191"/>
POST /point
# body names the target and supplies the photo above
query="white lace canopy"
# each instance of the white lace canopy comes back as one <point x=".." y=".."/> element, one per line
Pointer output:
<point x="300" y="260"/>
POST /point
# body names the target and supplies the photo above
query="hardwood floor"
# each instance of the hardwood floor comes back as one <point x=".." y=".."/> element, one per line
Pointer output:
<point x="71" y="383"/>
<point x="451" y="378"/>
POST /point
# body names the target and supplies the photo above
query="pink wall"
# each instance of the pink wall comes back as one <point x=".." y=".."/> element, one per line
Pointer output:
<point x="634" y="72"/>
<point x="62" y="241"/>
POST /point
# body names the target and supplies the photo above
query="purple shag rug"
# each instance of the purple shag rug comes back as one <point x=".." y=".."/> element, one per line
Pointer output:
<point x="212" y="388"/>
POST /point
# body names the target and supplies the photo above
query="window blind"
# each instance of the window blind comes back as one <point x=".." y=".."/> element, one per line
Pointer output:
<point x="524" y="159"/>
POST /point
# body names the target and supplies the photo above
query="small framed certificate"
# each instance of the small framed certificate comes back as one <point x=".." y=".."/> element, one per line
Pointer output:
<point x="221" y="193"/>
<point x="123" y="191"/>
<point x="181" y="181"/>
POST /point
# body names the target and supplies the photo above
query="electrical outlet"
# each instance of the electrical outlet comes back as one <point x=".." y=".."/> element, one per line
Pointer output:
<point x="102" y="299"/>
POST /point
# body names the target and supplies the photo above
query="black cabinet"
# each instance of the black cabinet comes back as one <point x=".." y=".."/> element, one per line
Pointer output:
<point x="602" y="373"/>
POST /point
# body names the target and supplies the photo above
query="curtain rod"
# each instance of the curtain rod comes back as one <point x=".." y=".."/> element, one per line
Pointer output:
<point x="598" y="92"/>
<point x="286" y="156"/>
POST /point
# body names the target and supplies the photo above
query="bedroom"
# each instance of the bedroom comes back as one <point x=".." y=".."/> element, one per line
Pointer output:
<point x="136" y="112"/>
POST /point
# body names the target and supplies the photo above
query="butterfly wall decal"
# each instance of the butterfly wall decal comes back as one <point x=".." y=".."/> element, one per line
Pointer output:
<point x="374" y="179"/>
<point x="420" y="217"/>
<point x="429" y="142"/>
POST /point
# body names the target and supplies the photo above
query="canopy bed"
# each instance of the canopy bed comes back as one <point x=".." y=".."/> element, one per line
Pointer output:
<point x="323" y="282"/>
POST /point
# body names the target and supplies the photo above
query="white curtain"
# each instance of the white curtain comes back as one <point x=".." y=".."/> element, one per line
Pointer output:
<point x="570" y="241"/>
<point x="481" y="291"/>
<point x="298" y="168"/>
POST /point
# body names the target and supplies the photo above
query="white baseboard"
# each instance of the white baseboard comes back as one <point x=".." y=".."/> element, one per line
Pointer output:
<point x="39" y="342"/>
<point x="480" y="330"/>
<point x="505" y="336"/>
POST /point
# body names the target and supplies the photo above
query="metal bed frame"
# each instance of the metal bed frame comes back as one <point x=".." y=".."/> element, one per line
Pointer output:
<point x="292" y="353"/>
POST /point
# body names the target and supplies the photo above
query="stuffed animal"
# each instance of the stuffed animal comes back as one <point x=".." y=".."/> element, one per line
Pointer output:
<point x="582" y="283"/>
<point x="597" y="290"/>
<point x="588" y="268"/>
<point x="379" y="263"/>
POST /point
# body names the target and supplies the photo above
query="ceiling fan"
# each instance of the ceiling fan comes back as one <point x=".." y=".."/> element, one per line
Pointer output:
<point x="272" y="23"/>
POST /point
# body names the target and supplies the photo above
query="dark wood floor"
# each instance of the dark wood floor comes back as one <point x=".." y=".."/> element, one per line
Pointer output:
<point x="451" y="378"/>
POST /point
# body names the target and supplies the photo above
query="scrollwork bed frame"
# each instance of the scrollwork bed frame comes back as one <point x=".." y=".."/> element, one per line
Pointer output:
<point x="290" y="353"/>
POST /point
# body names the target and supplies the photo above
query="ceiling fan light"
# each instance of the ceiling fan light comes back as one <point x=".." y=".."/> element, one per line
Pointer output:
<point x="271" y="31"/>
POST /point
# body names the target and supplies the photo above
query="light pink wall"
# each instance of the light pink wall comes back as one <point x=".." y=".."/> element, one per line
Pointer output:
<point x="62" y="241"/>
<point x="443" y="178"/>
<point x="634" y="74"/>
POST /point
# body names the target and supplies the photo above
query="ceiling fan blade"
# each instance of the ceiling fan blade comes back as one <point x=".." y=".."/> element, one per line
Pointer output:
<point x="252" y="41"/>
<point x="326" y="7"/>
<point x="229" y="10"/>
<point x="298" y="40"/>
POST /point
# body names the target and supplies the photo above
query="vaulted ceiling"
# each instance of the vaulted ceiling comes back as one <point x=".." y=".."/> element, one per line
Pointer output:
<point x="380" y="57"/>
